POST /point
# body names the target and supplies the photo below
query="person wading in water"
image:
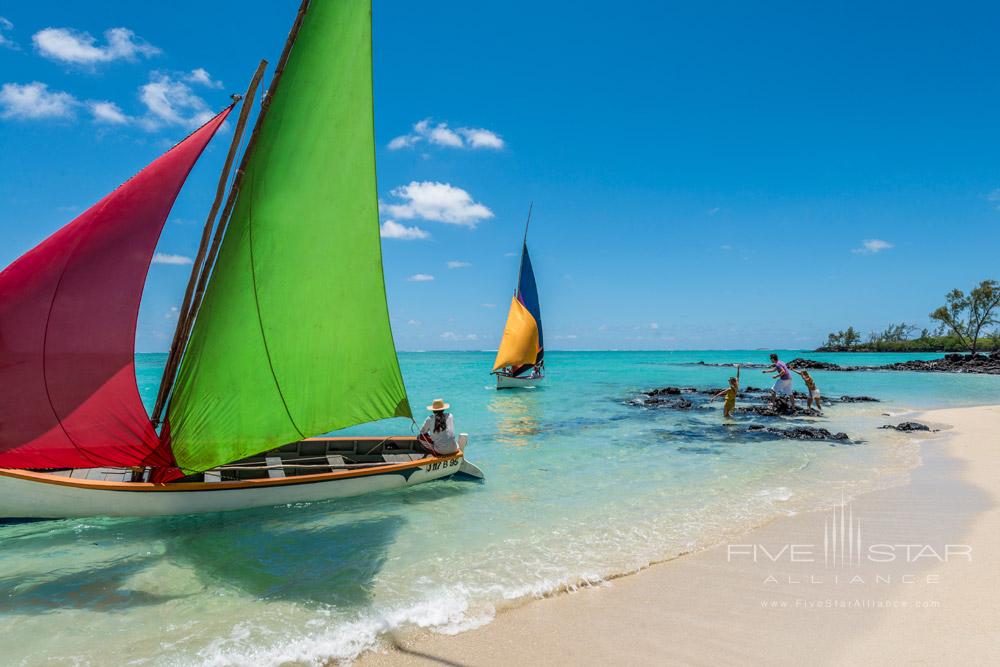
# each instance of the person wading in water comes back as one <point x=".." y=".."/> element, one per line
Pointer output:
<point x="814" y="397"/>
<point x="782" y="379"/>
<point x="731" y="393"/>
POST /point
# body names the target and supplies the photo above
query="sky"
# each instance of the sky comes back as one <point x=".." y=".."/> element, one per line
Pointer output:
<point x="704" y="175"/>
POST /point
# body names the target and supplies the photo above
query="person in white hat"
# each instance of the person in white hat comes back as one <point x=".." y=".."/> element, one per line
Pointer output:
<point x="438" y="431"/>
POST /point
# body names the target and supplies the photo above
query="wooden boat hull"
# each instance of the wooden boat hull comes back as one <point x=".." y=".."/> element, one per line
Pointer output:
<point x="39" y="495"/>
<point x="509" y="382"/>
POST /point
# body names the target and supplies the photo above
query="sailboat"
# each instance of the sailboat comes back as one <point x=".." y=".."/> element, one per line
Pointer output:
<point x="283" y="333"/>
<point x="520" y="358"/>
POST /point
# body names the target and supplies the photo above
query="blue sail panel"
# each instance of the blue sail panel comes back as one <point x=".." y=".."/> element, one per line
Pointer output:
<point x="527" y="294"/>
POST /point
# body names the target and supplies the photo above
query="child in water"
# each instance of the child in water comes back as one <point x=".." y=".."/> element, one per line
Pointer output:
<point x="730" y="394"/>
<point x="813" y="397"/>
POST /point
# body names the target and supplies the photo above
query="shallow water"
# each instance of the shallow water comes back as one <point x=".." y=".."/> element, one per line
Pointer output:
<point x="580" y="487"/>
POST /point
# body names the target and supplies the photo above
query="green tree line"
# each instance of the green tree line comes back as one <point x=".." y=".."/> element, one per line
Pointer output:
<point x="963" y="325"/>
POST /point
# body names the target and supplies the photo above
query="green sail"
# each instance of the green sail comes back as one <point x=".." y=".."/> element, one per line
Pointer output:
<point x="293" y="336"/>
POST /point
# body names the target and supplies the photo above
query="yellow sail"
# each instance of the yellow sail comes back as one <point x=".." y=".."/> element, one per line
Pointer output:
<point x="519" y="345"/>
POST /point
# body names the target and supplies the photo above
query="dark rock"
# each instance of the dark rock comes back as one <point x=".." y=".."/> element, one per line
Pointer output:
<point x="778" y="406"/>
<point x="810" y="364"/>
<point x="908" y="427"/>
<point x="754" y="400"/>
<point x="733" y="366"/>
<point x="770" y="410"/>
<point x="662" y="401"/>
<point x="949" y="363"/>
<point x="799" y="432"/>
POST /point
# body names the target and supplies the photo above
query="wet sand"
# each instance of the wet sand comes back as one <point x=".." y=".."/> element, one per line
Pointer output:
<point x="904" y="575"/>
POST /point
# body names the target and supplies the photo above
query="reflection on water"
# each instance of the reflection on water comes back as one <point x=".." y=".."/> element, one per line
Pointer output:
<point x="518" y="417"/>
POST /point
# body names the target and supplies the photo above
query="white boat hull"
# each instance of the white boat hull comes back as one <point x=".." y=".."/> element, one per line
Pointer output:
<point x="25" y="494"/>
<point x="509" y="382"/>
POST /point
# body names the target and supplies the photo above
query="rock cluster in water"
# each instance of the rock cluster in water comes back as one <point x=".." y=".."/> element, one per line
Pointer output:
<point x="987" y="364"/>
<point x="778" y="406"/>
<point x="949" y="363"/>
<point x="799" y="432"/>
<point x="907" y="427"/>
<point x="755" y="402"/>
<point x="763" y="401"/>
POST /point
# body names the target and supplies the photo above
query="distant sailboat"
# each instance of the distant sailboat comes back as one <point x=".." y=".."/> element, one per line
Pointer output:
<point x="520" y="359"/>
<point x="283" y="333"/>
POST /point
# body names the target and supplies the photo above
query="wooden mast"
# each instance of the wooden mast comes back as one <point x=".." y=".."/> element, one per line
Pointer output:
<point x="206" y="235"/>
<point x="183" y="332"/>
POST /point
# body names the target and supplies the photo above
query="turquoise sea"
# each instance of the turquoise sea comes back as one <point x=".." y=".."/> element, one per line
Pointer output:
<point x="580" y="487"/>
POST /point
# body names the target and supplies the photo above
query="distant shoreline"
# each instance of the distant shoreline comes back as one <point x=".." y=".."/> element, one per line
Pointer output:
<point x="910" y="350"/>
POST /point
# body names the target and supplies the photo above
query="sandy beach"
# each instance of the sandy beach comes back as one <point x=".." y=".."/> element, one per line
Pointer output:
<point x="902" y="575"/>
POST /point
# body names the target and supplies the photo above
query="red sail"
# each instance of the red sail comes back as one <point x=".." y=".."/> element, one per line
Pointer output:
<point x="68" y="308"/>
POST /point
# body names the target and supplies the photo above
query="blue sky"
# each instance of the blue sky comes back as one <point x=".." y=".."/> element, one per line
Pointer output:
<point x="704" y="174"/>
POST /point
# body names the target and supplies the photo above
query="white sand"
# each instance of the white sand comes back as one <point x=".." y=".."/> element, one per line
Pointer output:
<point x="714" y="607"/>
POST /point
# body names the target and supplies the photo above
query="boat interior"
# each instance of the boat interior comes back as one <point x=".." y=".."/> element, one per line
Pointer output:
<point x="305" y="457"/>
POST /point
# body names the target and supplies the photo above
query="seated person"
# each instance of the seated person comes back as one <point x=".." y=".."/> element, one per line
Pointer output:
<point x="438" y="431"/>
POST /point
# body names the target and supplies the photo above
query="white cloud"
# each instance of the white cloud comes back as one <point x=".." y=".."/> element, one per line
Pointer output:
<point x="414" y="323"/>
<point x="404" y="141"/>
<point x="441" y="135"/>
<point x="451" y="335"/>
<point x="168" y="102"/>
<point x="478" y="137"/>
<point x="6" y="25"/>
<point x="457" y="264"/>
<point x="654" y="326"/>
<point x="420" y="278"/>
<point x="726" y="247"/>
<point x="488" y="305"/>
<point x="80" y="48"/>
<point x="107" y="112"/>
<point x="171" y="102"/>
<point x="391" y="229"/>
<point x="34" y="101"/>
<point x="872" y="246"/>
<point x="172" y="313"/>
<point x="172" y="260"/>
<point x="201" y="77"/>
<point x="441" y="202"/>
